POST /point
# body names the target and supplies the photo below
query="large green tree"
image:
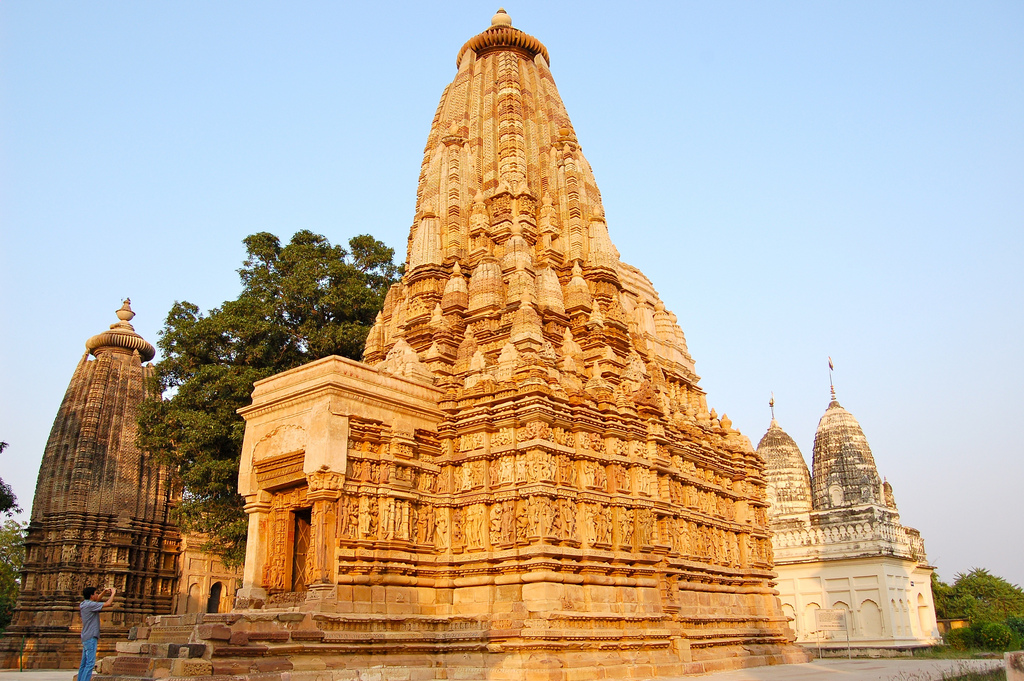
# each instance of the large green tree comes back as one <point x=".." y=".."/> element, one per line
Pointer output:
<point x="8" y="502"/>
<point x="12" y="557"/>
<point x="299" y="302"/>
<point x="978" y="596"/>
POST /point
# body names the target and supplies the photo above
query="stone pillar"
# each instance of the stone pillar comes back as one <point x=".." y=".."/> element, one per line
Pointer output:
<point x="324" y="492"/>
<point x="258" y="508"/>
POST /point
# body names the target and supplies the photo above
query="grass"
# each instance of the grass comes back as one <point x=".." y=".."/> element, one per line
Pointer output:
<point x="950" y="653"/>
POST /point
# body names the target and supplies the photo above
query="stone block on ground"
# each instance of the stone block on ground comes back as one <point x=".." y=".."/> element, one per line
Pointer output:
<point x="1014" y="665"/>
<point x="189" y="667"/>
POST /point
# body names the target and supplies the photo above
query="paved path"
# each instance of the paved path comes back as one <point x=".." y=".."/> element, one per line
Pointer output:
<point x="819" y="670"/>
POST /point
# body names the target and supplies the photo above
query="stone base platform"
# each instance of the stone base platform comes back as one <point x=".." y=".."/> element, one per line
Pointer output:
<point x="55" y="650"/>
<point x="313" y="646"/>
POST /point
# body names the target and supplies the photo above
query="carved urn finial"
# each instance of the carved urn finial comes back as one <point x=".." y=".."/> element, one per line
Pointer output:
<point x="125" y="314"/>
<point x="501" y="18"/>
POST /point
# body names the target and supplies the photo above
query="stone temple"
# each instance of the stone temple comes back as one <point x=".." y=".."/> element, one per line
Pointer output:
<point x="839" y="543"/>
<point x="102" y="517"/>
<point x="101" y="513"/>
<point x="522" y="479"/>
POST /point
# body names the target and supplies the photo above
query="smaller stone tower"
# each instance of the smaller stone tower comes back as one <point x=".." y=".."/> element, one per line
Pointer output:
<point x="101" y="513"/>
<point x="838" y="541"/>
<point x="789" y="482"/>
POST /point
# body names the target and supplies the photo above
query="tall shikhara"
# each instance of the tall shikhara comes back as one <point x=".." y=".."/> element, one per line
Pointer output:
<point x="522" y="479"/>
<point x="100" y="515"/>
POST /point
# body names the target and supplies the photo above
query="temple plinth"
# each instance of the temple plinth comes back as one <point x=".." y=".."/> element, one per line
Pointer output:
<point x="522" y="479"/>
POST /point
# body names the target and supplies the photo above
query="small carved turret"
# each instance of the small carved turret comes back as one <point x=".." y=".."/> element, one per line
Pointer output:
<point x="456" y="293"/>
<point x="577" y="293"/>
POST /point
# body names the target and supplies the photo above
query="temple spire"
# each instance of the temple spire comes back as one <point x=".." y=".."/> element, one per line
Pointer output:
<point x="96" y="495"/>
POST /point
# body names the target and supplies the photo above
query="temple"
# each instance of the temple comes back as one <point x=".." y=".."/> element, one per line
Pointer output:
<point x="102" y="517"/>
<point x="101" y="512"/>
<point x="522" y="478"/>
<point x="839" y="544"/>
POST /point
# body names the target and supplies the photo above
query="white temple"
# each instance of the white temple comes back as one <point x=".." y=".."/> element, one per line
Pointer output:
<point x="839" y="544"/>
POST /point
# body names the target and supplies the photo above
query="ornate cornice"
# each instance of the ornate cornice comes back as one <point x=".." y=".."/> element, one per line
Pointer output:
<point x="122" y="335"/>
<point x="502" y="36"/>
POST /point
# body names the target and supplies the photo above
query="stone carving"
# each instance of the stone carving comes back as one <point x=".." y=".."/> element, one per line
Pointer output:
<point x="566" y="471"/>
<point x="441" y="527"/>
<point x="624" y="529"/>
<point x="458" y="528"/>
<point x="535" y="430"/>
<point x="475" y="527"/>
<point x="568" y="519"/>
<point x="503" y="438"/>
<point x="506" y="473"/>
<point x="540" y="466"/>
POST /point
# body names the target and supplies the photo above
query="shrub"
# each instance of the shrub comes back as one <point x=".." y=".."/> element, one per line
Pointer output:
<point x="961" y="639"/>
<point x="993" y="636"/>
<point x="1016" y="625"/>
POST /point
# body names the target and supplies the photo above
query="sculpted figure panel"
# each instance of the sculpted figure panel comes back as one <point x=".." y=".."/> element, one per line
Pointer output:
<point x="645" y="527"/>
<point x="475" y="527"/>
<point x="506" y="474"/>
<point x="494" y="524"/>
<point x="625" y="528"/>
<point x="568" y="515"/>
<point x="566" y="471"/>
<point x="503" y="438"/>
<point x="441" y="529"/>
<point x="588" y="514"/>
<point x="522" y="521"/>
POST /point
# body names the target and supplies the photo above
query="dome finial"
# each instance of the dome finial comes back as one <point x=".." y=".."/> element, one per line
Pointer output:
<point x="501" y="36"/>
<point x="771" y="405"/>
<point x="121" y="337"/>
<point x="501" y="18"/>
<point x="125" y="314"/>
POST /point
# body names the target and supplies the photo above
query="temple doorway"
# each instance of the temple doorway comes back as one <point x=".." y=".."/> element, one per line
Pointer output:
<point x="213" y="603"/>
<point x="300" y="548"/>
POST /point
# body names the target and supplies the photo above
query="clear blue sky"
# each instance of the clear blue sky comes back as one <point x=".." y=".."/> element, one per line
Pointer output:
<point x="798" y="179"/>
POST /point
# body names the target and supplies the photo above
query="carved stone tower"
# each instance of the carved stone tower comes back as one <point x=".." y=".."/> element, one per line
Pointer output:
<point x="789" y="482"/>
<point x="844" y="468"/>
<point x="100" y="513"/>
<point x="522" y="479"/>
<point x="839" y="543"/>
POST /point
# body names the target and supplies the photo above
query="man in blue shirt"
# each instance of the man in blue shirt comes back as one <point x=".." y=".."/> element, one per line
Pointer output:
<point x="90" y="608"/>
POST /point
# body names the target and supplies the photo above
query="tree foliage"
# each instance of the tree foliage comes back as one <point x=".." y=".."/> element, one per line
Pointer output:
<point x="978" y="596"/>
<point x="8" y="502"/>
<point x="12" y="557"/>
<point x="300" y="302"/>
